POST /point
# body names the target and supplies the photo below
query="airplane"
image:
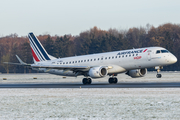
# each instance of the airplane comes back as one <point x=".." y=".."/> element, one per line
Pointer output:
<point x="133" y="62"/>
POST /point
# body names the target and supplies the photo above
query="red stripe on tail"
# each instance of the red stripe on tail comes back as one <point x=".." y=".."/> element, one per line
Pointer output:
<point x="34" y="56"/>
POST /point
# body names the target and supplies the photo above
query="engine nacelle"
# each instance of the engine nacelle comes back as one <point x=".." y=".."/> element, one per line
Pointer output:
<point x="98" y="72"/>
<point x="137" y="73"/>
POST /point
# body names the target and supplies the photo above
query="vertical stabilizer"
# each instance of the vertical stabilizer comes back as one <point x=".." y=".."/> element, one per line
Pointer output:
<point x="38" y="51"/>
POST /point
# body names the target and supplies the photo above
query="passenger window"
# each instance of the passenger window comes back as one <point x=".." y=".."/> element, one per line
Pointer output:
<point x="84" y="60"/>
<point x="123" y="56"/>
<point x="116" y="56"/>
<point x="129" y="55"/>
<point x="112" y="57"/>
<point x="136" y="54"/>
<point x="63" y="62"/>
<point x="81" y="60"/>
<point x="69" y="62"/>
<point x="126" y="55"/>
<point x="73" y="61"/>
<point x="101" y="58"/>
<point x="66" y="62"/>
<point x="91" y="59"/>
<point x="94" y="59"/>
<point x="105" y="57"/>
<point x="109" y="57"/>
<point x="88" y="60"/>
<point x="158" y="51"/>
<point x="98" y="58"/>
<point x="76" y="61"/>
<point x="119" y="56"/>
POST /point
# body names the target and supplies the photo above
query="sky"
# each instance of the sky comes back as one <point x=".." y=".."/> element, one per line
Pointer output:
<point x="60" y="17"/>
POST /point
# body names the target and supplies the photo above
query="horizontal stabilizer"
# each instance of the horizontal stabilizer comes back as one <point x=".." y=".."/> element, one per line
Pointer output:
<point x="21" y="62"/>
<point x="10" y="63"/>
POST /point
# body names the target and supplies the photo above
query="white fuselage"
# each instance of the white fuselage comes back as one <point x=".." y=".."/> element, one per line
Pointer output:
<point x="118" y="61"/>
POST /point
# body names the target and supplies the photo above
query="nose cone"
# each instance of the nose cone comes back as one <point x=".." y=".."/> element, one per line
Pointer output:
<point x="173" y="59"/>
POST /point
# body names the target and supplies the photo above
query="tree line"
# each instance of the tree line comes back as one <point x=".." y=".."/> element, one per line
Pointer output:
<point x="92" y="41"/>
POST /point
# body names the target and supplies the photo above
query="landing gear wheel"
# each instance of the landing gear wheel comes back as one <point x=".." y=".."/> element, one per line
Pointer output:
<point x="89" y="80"/>
<point x="158" y="75"/>
<point x="86" y="81"/>
<point x="110" y="80"/>
<point x="113" y="80"/>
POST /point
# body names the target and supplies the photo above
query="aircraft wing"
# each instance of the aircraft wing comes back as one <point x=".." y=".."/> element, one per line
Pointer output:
<point x="60" y="67"/>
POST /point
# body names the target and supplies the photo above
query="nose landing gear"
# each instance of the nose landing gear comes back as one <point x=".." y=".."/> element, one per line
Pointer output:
<point x="158" y="70"/>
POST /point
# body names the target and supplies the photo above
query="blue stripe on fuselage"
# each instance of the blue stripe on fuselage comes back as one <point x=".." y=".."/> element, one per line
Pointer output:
<point x="39" y="46"/>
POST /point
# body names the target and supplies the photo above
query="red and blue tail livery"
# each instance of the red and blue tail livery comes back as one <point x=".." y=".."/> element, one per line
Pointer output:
<point x="38" y="51"/>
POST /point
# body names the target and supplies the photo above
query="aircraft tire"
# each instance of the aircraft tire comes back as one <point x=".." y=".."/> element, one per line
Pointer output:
<point x="110" y="80"/>
<point x="113" y="80"/>
<point x="89" y="80"/>
<point x="86" y="81"/>
<point x="158" y="75"/>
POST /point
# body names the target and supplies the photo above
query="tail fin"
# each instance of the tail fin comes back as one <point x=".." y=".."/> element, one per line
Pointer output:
<point x="38" y="51"/>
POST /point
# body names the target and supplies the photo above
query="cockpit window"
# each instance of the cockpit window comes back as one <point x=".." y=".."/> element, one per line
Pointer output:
<point x="164" y="51"/>
<point x="158" y="51"/>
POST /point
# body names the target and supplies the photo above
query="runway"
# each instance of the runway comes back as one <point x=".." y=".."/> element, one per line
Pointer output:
<point x="95" y="85"/>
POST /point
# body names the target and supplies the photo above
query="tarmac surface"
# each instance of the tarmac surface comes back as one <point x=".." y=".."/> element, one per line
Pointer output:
<point x="95" y="85"/>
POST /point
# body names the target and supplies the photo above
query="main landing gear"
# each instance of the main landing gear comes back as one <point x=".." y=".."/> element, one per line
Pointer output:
<point x="113" y="80"/>
<point x="158" y="70"/>
<point x="86" y="81"/>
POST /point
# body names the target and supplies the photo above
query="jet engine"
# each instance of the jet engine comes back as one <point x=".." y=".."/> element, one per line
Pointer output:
<point x="137" y="73"/>
<point x="97" y="72"/>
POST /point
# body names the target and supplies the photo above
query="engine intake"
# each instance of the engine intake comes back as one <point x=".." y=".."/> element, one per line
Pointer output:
<point x="137" y="73"/>
<point x="97" y="72"/>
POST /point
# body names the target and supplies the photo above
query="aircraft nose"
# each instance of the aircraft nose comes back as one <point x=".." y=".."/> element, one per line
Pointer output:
<point x="173" y="59"/>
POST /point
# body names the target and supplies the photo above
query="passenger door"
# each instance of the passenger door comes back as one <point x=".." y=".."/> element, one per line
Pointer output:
<point x="149" y="55"/>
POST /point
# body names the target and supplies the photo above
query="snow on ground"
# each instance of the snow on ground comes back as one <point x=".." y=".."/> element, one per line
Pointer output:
<point x="94" y="103"/>
<point x="140" y="103"/>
